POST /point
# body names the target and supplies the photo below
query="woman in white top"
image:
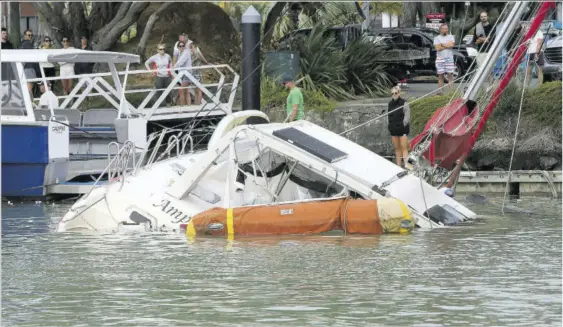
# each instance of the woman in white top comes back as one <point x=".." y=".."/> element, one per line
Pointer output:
<point x="67" y="69"/>
<point x="48" y="67"/>
<point x="161" y="62"/>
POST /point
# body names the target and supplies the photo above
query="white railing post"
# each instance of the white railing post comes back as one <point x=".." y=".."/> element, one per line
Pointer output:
<point x="122" y="108"/>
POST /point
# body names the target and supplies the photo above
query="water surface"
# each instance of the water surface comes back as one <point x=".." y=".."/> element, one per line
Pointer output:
<point x="498" y="271"/>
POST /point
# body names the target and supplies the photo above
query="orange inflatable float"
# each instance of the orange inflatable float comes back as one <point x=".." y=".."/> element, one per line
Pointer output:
<point x="351" y="216"/>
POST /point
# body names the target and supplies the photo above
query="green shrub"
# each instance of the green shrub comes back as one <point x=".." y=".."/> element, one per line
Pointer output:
<point x="337" y="73"/>
<point x="508" y="103"/>
<point x="273" y="99"/>
<point x="543" y="104"/>
<point x="363" y="75"/>
<point x="322" y="64"/>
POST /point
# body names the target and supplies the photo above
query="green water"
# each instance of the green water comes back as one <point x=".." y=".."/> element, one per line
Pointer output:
<point x="498" y="271"/>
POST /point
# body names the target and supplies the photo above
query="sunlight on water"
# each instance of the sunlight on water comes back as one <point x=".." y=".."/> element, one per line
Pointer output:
<point x="499" y="270"/>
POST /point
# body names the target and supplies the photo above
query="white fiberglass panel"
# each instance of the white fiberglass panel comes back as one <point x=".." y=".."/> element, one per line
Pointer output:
<point x="360" y="161"/>
<point x="421" y="196"/>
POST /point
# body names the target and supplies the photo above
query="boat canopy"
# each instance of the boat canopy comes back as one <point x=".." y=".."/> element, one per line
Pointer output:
<point x="68" y="55"/>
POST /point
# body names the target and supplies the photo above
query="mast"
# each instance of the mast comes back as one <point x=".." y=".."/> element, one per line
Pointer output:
<point x="500" y="41"/>
<point x="504" y="82"/>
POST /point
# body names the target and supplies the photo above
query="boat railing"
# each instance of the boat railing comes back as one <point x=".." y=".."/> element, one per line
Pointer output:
<point x="175" y="146"/>
<point x="222" y="79"/>
<point x="118" y="166"/>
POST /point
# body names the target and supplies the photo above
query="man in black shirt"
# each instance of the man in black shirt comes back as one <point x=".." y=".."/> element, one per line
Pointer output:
<point x="30" y="68"/>
<point x="83" y="67"/>
<point x="6" y="44"/>
<point x="483" y="37"/>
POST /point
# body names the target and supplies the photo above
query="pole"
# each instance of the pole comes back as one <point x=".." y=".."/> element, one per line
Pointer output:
<point x="251" y="21"/>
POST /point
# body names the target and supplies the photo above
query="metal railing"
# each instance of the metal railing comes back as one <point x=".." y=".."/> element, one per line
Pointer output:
<point x="96" y="85"/>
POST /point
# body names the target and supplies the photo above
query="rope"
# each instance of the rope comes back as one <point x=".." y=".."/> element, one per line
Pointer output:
<point x="401" y="107"/>
<point x="515" y="138"/>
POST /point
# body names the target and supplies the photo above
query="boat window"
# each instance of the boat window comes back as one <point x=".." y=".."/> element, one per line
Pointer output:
<point x="11" y="91"/>
<point x="271" y="164"/>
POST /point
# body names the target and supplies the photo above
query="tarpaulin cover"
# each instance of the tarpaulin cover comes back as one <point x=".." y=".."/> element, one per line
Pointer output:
<point x="304" y="218"/>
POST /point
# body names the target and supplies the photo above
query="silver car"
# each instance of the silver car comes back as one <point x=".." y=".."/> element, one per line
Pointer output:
<point x="552" y="59"/>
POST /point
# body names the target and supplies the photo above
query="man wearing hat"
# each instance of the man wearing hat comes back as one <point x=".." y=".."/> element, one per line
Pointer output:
<point x="294" y="107"/>
<point x="83" y="67"/>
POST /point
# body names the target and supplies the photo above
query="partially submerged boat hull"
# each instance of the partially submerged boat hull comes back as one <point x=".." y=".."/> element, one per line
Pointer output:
<point x="351" y="216"/>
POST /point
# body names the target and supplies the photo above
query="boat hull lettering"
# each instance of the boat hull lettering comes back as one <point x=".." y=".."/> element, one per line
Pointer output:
<point x="178" y="215"/>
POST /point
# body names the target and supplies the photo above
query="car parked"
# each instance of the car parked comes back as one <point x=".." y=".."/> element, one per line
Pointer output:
<point x="423" y="39"/>
<point x="400" y="42"/>
<point x="552" y="59"/>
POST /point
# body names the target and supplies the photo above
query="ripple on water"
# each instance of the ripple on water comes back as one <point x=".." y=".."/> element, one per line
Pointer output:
<point x="503" y="270"/>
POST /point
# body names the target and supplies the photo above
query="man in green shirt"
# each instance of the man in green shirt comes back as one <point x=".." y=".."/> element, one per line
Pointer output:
<point x="294" y="107"/>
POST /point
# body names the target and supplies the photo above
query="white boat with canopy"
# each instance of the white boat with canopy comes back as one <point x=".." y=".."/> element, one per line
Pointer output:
<point x="64" y="149"/>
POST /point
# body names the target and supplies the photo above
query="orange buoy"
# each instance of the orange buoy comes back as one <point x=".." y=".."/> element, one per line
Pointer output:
<point x="305" y="218"/>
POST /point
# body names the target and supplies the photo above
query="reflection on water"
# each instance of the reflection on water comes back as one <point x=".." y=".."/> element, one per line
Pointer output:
<point x="499" y="270"/>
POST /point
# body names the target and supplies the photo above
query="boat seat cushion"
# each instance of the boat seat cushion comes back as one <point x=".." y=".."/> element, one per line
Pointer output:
<point x="99" y="117"/>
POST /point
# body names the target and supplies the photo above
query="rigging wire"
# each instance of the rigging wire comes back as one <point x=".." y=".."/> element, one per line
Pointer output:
<point x="515" y="138"/>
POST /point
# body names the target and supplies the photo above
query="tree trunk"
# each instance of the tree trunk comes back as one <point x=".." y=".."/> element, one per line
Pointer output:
<point x="410" y="10"/>
<point x="54" y="19"/>
<point x="107" y="37"/>
<point x="14" y="32"/>
<point x="142" y="47"/>
<point x="272" y="19"/>
<point x="77" y="21"/>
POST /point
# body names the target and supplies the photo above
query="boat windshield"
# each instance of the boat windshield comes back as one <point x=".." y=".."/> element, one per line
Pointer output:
<point x="12" y="99"/>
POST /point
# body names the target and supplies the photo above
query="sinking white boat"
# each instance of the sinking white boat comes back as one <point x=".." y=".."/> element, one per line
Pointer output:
<point x="293" y="173"/>
<point x="255" y="165"/>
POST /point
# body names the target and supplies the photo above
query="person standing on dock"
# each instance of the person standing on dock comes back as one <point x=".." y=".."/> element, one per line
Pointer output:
<point x="483" y="37"/>
<point x="161" y="62"/>
<point x="295" y="109"/>
<point x="30" y="68"/>
<point x="66" y="69"/>
<point x="184" y="63"/>
<point x="398" y="120"/>
<point x="444" y="57"/>
<point x="198" y="60"/>
<point x="84" y="67"/>
<point x="6" y="44"/>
